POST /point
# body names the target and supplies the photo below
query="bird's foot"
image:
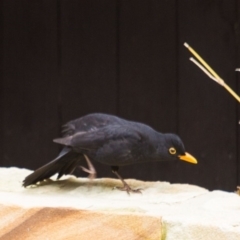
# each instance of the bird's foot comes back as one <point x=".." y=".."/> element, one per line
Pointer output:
<point x="128" y="189"/>
<point x="125" y="187"/>
<point x="91" y="170"/>
<point x="92" y="173"/>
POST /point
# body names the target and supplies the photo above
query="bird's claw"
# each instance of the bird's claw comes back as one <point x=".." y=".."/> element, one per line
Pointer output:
<point x="92" y="173"/>
<point x="91" y="170"/>
<point x="128" y="189"/>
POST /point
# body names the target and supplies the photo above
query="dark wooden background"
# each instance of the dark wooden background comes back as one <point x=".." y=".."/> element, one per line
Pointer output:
<point x="62" y="59"/>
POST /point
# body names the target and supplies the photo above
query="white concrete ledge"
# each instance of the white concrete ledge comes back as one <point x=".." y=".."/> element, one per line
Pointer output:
<point x="70" y="209"/>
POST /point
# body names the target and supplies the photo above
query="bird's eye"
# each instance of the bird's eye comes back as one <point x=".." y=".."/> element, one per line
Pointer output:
<point x="172" y="150"/>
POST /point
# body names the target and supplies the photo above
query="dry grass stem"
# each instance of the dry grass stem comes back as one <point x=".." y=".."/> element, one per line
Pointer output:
<point x="205" y="71"/>
<point x="209" y="71"/>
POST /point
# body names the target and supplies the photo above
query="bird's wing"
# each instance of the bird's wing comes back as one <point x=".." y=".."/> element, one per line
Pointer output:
<point x="89" y="123"/>
<point x="112" y="145"/>
<point x="99" y="137"/>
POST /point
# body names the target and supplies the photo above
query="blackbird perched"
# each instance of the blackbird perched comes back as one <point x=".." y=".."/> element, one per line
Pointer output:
<point x="112" y="141"/>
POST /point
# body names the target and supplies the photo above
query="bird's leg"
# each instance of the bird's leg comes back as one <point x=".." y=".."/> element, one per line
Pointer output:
<point x="91" y="170"/>
<point x="125" y="187"/>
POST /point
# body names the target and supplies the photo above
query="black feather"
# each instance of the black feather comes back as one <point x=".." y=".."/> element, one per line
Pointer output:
<point x="110" y="140"/>
<point x="59" y="165"/>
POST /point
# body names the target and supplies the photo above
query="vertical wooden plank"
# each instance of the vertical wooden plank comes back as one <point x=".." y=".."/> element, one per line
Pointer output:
<point x="88" y="30"/>
<point x="237" y="33"/>
<point x="207" y="112"/>
<point x="148" y="86"/>
<point x="1" y="80"/>
<point x="88" y="57"/>
<point x="29" y="90"/>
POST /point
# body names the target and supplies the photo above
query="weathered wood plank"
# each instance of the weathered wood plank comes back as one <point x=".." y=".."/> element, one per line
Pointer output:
<point x="29" y="88"/>
<point x="88" y="64"/>
<point x="1" y="79"/>
<point x="88" y="31"/>
<point x="148" y="73"/>
<point x="207" y="112"/>
<point x="237" y="34"/>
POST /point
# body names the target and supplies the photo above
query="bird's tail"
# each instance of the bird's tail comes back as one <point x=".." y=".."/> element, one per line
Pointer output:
<point x="64" y="163"/>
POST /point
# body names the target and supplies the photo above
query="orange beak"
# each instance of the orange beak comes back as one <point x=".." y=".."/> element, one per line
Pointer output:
<point x="188" y="157"/>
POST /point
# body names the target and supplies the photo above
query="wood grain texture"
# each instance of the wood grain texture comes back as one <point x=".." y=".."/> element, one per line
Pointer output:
<point x="64" y="223"/>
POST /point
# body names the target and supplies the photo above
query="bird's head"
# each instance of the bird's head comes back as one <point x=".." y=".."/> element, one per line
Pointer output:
<point x="174" y="149"/>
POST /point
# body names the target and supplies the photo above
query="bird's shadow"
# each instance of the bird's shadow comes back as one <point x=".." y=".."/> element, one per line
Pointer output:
<point x="71" y="183"/>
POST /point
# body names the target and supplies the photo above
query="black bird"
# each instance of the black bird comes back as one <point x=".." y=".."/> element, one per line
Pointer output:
<point x="112" y="141"/>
